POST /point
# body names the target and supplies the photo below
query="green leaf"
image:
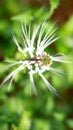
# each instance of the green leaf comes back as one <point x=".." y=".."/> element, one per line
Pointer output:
<point x="70" y="123"/>
<point x="25" y="122"/>
<point x="59" y="116"/>
<point x="41" y="14"/>
<point x="24" y="17"/>
<point x="53" y="5"/>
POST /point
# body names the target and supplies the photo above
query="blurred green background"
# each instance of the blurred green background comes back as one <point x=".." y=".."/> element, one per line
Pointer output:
<point x="18" y="109"/>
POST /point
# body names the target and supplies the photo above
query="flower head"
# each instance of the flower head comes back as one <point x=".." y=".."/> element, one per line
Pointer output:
<point x="38" y="60"/>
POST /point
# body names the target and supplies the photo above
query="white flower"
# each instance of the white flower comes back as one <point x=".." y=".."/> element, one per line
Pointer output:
<point x="38" y="60"/>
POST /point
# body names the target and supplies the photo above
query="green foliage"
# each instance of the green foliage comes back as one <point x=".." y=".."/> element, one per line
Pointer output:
<point x="25" y="17"/>
<point x="70" y="123"/>
<point x="37" y="14"/>
<point x="33" y="15"/>
<point x="53" y="5"/>
<point x="25" y="122"/>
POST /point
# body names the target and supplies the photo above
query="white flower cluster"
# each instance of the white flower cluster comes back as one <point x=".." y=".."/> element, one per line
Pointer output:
<point x="38" y="61"/>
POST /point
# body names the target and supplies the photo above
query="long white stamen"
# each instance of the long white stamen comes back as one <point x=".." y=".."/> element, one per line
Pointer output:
<point x="42" y="29"/>
<point x="17" y="44"/>
<point x="62" y="59"/>
<point x="43" y="44"/>
<point x="29" y="32"/>
<point x="49" y="86"/>
<point x="24" y="43"/>
<point x="26" y="36"/>
<point x="13" y="77"/>
<point x="46" y="39"/>
<point x="32" y="82"/>
<point x="35" y="31"/>
<point x="10" y="82"/>
<point x="48" y="43"/>
<point x="13" y="73"/>
<point x="11" y="65"/>
<point x="56" y="71"/>
<point x="28" y="41"/>
<point x="49" y="30"/>
<point x="42" y="47"/>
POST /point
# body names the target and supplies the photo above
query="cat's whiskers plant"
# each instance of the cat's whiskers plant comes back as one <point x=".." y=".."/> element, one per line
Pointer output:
<point x="37" y="61"/>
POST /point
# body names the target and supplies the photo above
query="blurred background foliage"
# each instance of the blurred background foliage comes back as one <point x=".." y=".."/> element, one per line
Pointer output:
<point x="18" y="109"/>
